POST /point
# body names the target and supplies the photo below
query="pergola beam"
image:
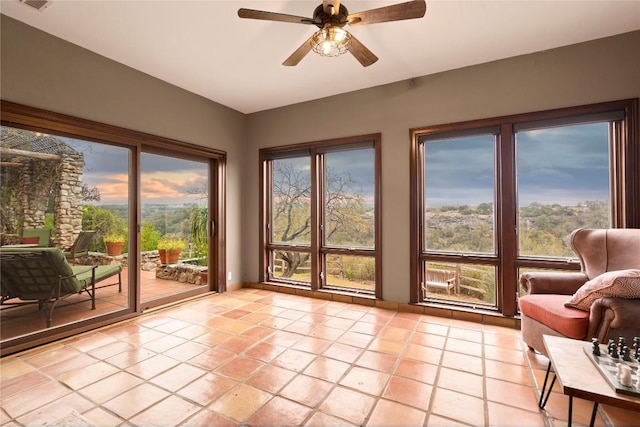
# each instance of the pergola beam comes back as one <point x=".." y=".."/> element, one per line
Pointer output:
<point x="31" y="154"/>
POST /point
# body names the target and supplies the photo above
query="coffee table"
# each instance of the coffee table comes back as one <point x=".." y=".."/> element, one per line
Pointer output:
<point x="579" y="377"/>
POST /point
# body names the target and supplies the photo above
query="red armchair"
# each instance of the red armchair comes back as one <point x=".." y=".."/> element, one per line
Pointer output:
<point x="543" y="309"/>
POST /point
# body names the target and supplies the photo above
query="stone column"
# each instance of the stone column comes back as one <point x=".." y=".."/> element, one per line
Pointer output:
<point x="35" y="183"/>
<point x="68" y="210"/>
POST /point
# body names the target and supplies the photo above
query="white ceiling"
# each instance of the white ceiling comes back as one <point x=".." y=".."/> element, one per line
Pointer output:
<point x="203" y="47"/>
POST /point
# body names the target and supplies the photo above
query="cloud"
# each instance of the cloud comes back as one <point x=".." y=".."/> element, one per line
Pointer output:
<point x="164" y="179"/>
<point x="565" y="165"/>
<point x="460" y="171"/>
<point x="358" y="164"/>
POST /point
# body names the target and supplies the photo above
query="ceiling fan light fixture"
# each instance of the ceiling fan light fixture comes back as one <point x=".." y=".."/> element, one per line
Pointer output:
<point x="331" y="41"/>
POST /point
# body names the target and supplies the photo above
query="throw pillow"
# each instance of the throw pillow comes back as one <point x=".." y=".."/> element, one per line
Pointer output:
<point x="618" y="284"/>
<point x="30" y="240"/>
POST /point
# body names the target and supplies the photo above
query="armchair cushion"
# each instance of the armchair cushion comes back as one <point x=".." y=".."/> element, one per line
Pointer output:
<point x="618" y="284"/>
<point x="550" y="310"/>
<point x="30" y="240"/>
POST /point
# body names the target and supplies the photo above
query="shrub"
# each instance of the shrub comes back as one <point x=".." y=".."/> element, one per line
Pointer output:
<point x="169" y="243"/>
<point x="149" y="237"/>
<point x="114" y="238"/>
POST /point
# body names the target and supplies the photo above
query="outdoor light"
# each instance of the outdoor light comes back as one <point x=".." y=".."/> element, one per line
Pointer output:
<point x="331" y="41"/>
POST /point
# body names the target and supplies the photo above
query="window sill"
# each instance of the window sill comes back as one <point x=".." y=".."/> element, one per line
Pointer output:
<point x="329" y="295"/>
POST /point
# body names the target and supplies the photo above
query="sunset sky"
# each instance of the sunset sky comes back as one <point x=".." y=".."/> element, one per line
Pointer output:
<point x="165" y="180"/>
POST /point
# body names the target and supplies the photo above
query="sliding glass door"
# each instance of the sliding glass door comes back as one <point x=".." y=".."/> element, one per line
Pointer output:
<point x="98" y="195"/>
<point x="77" y="192"/>
<point x="174" y="218"/>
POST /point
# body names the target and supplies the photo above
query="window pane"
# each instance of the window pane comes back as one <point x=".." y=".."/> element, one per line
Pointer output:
<point x="467" y="283"/>
<point x="353" y="272"/>
<point x="563" y="184"/>
<point x="291" y="265"/>
<point x="350" y="198"/>
<point x="174" y="195"/>
<point x="459" y="181"/>
<point x="64" y="186"/>
<point x="291" y="198"/>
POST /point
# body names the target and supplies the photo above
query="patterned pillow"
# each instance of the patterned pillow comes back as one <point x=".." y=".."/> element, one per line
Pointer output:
<point x="618" y="284"/>
<point x="30" y="240"/>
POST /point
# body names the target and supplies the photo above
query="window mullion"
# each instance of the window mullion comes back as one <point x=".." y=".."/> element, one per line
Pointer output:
<point x="506" y="222"/>
<point x="317" y="215"/>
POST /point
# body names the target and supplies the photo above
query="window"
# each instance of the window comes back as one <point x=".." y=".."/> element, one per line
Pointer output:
<point x="562" y="184"/>
<point x="494" y="197"/>
<point x="174" y="200"/>
<point x="321" y="215"/>
<point x="290" y="219"/>
<point x="65" y="185"/>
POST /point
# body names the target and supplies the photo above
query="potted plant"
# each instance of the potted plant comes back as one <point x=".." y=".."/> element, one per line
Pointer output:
<point x="169" y="249"/>
<point x="114" y="244"/>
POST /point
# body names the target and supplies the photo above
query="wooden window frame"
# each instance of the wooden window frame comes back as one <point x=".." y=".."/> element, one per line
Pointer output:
<point x="315" y="150"/>
<point x="625" y="188"/>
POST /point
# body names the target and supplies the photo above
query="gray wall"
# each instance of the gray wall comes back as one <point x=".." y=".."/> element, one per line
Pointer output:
<point x="42" y="71"/>
<point x="39" y="70"/>
<point x="602" y="70"/>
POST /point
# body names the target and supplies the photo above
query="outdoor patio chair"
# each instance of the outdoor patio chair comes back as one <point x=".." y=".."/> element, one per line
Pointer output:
<point x="80" y="247"/>
<point x="43" y="276"/>
<point x="43" y="236"/>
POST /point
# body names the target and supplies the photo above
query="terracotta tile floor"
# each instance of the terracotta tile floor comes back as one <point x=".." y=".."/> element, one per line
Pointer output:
<point x="17" y="321"/>
<point x="263" y="358"/>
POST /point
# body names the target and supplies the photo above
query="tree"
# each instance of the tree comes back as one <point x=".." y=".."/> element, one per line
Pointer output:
<point x="344" y="211"/>
<point x="90" y="194"/>
<point x="104" y="222"/>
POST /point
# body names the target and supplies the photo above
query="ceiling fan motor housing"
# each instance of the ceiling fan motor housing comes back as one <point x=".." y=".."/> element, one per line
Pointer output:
<point x="322" y="18"/>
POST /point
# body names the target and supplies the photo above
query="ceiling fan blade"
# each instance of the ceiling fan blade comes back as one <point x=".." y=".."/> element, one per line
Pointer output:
<point x="361" y="53"/>
<point x="272" y="16"/>
<point x="300" y="53"/>
<point x="334" y="3"/>
<point x="397" y="12"/>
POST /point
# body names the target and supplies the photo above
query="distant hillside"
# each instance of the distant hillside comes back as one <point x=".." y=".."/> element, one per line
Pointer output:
<point x="543" y="228"/>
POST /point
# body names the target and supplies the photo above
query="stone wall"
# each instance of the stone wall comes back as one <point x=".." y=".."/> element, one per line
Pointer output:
<point x="150" y="261"/>
<point x="68" y="203"/>
<point x="184" y="273"/>
<point x="30" y="187"/>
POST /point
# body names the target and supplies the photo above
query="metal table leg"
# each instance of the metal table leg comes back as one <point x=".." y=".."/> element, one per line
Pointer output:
<point x="570" y="411"/>
<point x="543" y="399"/>
<point x="593" y="414"/>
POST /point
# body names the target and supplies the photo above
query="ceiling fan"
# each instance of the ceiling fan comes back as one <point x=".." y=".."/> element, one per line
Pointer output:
<point x="330" y="17"/>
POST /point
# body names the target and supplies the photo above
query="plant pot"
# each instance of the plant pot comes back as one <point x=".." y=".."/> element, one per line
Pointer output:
<point x="173" y="255"/>
<point x="114" y="248"/>
<point x="163" y="256"/>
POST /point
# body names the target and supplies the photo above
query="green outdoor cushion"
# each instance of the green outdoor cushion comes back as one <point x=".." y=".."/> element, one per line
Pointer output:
<point x="35" y="278"/>
<point x="43" y="235"/>
<point x="102" y="272"/>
